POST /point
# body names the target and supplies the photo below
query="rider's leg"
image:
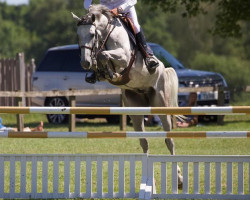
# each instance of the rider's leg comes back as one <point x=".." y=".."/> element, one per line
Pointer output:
<point x="147" y="53"/>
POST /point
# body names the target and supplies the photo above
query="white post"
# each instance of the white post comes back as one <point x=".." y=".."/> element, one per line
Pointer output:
<point x="218" y="177"/>
<point x="77" y="177"/>
<point x="196" y="178"/>
<point x="185" y="178"/>
<point x="110" y="177"/>
<point x="207" y="178"/>
<point x="163" y="178"/>
<point x="121" y="177"/>
<point x="88" y="177"/>
<point x="99" y="177"/>
<point x="174" y="178"/>
<point x="66" y="177"/>
<point x="132" y="176"/>
<point x="23" y="177"/>
<point x="34" y="177"/>
<point x="1" y="177"/>
<point x="12" y="177"/>
<point x="55" y="177"/>
<point x="240" y="178"/>
<point x="45" y="177"/>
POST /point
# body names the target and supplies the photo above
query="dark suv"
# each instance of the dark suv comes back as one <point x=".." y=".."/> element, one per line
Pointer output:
<point x="60" y="70"/>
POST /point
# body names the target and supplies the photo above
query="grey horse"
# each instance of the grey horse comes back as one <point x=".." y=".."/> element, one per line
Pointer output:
<point x="107" y="49"/>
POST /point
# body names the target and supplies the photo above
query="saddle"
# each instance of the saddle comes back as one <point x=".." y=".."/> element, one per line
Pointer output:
<point x="129" y="27"/>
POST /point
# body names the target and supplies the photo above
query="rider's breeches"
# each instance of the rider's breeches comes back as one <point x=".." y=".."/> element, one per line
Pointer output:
<point x="132" y="14"/>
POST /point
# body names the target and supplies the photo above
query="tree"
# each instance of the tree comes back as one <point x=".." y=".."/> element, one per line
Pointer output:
<point x="230" y="18"/>
<point x="14" y="36"/>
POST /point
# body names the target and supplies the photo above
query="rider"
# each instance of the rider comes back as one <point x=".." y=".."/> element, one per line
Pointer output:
<point x="127" y="6"/>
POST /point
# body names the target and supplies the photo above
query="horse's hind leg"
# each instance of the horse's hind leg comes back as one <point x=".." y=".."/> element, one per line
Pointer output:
<point x="159" y="100"/>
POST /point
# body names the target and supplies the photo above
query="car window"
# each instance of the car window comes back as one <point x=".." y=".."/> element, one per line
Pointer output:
<point x="165" y="57"/>
<point x="62" y="61"/>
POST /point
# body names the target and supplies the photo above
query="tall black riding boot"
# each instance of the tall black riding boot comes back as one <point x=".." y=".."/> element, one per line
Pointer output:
<point x="147" y="53"/>
<point x="90" y="77"/>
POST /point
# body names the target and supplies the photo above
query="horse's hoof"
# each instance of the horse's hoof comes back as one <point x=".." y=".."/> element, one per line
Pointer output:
<point x="180" y="186"/>
<point x="151" y="71"/>
<point x="180" y="181"/>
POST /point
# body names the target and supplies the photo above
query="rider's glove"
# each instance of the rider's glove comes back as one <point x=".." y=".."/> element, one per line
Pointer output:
<point x="114" y="11"/>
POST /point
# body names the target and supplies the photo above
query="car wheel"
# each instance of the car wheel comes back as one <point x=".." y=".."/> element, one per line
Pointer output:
<point x="57" y="102"/>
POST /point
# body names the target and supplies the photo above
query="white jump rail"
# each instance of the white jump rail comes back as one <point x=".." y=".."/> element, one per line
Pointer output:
<point x="128" y="134"/>
<point x="223" y="110"/>
<point x="103" y="176"/>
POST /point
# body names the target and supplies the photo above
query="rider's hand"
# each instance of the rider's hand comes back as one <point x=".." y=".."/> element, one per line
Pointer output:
<point x="114" y="11"/>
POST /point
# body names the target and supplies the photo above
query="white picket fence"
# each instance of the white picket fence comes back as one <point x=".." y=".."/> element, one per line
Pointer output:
<point x="123" y="176"/>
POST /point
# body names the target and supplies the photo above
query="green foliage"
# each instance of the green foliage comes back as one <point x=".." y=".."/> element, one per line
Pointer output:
<point x="42" y="24"/>
<point x="235" y="70"/>
<point x="229" y="18"/>
<point x="160" y="32"/>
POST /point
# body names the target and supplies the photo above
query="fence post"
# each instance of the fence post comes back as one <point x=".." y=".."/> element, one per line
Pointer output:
<point x="123" y="118"/>
<point x="30" y="68"/>
<point x="1" y="82"/>
<point x="21" y="68"/>
<point x="19" y="117"/>
<point x="72" y="117"/>
<point x="221" y="102"/>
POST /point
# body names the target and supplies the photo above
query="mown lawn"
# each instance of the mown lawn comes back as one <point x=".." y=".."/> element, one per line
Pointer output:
<point x="156" y="146"/>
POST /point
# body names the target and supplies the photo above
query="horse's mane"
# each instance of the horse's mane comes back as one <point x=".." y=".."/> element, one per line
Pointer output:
<point x="98" y="10"/>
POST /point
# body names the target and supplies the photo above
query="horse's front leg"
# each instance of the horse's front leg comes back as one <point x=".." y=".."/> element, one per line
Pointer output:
<point x="117" y="56"/>
<point x="108" y="60"/>
<point x="132" y="99"/>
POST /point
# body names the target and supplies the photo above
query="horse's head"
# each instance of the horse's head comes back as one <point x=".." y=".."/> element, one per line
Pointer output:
<point x="87" y="36"/>
<point x="89" y="30"/>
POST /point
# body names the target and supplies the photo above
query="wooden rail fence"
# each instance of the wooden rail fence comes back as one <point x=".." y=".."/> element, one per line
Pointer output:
<point x="19" y="97"/>
<point x="15" y="75"/>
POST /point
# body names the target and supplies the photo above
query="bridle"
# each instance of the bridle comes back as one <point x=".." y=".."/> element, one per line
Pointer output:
<point x="97" y="45"/>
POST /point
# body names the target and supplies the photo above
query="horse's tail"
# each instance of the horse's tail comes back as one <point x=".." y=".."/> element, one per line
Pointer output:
<point x="174" y="85"/>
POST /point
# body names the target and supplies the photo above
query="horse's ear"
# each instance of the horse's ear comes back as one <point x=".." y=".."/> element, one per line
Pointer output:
<point x="93" y="18"/>
<point x="75" y="17"/>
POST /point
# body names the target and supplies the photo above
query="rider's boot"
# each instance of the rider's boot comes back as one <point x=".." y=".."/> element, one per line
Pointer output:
<point x="147" y="53"/>
<point x="91" y="77"/>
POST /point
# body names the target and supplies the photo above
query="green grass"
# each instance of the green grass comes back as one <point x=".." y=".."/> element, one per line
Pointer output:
<point x="156" y="146"/>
